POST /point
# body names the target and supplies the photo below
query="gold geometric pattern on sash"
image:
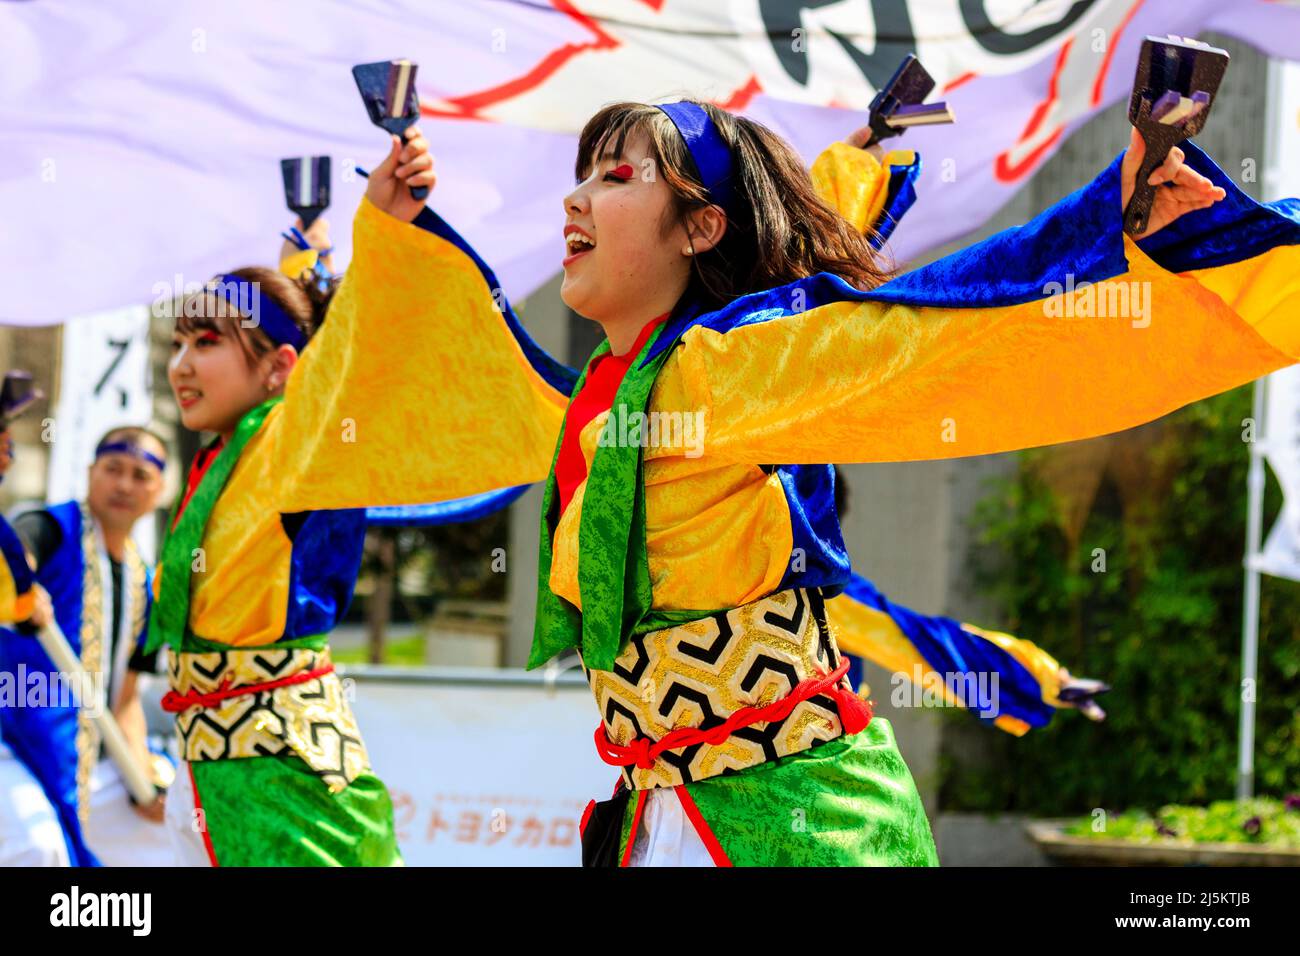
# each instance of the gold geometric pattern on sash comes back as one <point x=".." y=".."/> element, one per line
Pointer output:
<point x="137" y="575"/>
<point x="311" y="720"/>
<point x="698" y="674"/>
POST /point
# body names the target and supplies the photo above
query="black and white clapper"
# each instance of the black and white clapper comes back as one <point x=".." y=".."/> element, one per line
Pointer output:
<point x="17" y="395"/>
<point x="900" y="103"/>
<point x="1176" y="82"/>
<point x="306" y="186"/>
<point x="388" y="90"/>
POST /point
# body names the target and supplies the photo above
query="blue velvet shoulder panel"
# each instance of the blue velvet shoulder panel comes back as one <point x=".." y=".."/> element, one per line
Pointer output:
<point x="323" y="567"/>
<point x="899" y="199"/>
<point x="819" y="557"/>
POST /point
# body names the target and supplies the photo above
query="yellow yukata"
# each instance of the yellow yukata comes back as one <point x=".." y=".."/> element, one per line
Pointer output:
<point x="260" y="566"/>
<point x="869" y="381"/>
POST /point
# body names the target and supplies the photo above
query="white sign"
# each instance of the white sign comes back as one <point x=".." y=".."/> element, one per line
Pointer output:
<point x="1282" y="176"/>
<point x="1281" y="554"/>
<point x="493" y="772"/>
<point x="104" y="381"/>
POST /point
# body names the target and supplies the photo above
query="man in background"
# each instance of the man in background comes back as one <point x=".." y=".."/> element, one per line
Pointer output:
<point x="92" y="581"/>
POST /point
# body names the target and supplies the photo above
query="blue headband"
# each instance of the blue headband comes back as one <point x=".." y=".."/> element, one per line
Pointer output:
<point x="135" y="451"/>
<point x="707" y="147"/>
<point x="248" y="300"/>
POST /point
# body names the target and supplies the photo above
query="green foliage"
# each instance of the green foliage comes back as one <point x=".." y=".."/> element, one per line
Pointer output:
<point x="1161" y="625"/>
<point x="434" y="563"/>
<point x="407" y="652"/>
<point x="1262" y="821"/>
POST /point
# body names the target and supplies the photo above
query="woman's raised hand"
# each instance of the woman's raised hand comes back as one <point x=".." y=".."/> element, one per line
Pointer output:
<point x="407" y="165"/>
<point x="1181" y="188"/>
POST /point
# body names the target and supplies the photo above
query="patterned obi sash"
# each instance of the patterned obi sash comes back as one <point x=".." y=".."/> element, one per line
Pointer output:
<point x="725" y="692"/>
<point x="264" y="702"/>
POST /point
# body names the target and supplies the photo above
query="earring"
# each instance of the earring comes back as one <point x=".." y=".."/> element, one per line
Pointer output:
<point x="688" y="251"/>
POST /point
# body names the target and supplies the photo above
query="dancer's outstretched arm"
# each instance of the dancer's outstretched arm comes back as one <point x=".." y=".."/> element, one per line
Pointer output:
<point x="418" y="306"/>
<point x="1005" y="345"/>
<point x="18" y="593"/>
<point x="871" y="193"/>
<point x="369" y="418"/>
<point x="1008" y="681"/>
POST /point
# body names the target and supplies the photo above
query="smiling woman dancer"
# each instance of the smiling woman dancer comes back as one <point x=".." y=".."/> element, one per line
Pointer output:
<point x="689" y="534"/>
<point x="255" y="573"/>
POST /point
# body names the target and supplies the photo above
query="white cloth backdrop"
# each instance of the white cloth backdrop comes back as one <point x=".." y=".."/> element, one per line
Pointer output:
<point x="141" y="139"/>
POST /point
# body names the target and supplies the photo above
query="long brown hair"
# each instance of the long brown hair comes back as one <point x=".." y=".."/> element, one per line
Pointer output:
<point x="301" y="299"/>
<point x="778" y="229"/>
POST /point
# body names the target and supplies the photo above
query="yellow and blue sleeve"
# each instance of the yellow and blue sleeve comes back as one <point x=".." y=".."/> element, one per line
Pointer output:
<point x="296" y="263"/>
<point x="420" y="385"/>
<point x="871" y="194"/>
<point x="1007" y="681"/>
<point x="16" y="580"/>
<point x="1058" y="330"/>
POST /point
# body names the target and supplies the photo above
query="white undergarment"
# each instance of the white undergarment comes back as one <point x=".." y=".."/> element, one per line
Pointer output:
<point x="183" y="825"/>
<point x="666" y="836"/>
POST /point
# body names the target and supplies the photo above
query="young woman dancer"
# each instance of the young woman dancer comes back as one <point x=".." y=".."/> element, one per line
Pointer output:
<point x="689" y="532"/>
<point x="254" y="574"/>
<point x="1006" y="681"/>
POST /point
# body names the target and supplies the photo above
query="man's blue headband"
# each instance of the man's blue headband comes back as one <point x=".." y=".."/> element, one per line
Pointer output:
<point x="248" y="301"/>
<point x="132" y="449"/>
<point x="704" y="142"/>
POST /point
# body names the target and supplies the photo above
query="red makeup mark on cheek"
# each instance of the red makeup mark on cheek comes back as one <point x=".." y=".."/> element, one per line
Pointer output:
<point x="210" y="337"/>
<point x="623" y="171"/>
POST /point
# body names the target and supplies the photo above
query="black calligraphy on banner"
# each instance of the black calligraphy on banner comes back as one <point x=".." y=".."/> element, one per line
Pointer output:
<point x="121" y="347"/>
<point x="892" y="27"/>
<point x="893" y="31"/>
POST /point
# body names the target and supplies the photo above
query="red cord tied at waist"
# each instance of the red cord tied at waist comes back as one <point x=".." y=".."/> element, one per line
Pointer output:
<point x="175" y="703"/>
<point x="855" y="714"/>
<point x="266" y="701"/>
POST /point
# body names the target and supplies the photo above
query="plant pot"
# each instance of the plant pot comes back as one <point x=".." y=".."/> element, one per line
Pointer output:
<point x="1065" y="850"/>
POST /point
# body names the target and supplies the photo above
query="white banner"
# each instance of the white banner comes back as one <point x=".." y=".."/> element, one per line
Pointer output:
<point x="1281" y="438"/>
<point x="490" y="772"/>
<point x="1282" y="132"/>
<point x="168" y="129"/>
<point x="1281" y="554"/>
<point x="104" y="381"/>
